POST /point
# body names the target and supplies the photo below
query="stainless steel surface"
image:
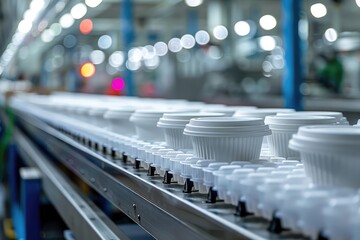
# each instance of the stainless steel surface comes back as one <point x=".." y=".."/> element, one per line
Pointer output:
<point x="84" y="219"/>
<point x="162" y="210"/>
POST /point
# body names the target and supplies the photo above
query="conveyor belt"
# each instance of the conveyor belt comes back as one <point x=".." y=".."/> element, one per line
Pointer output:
<point x="162" y="210"/>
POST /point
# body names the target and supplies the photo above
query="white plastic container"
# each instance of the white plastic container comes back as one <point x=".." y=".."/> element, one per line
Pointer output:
<point x="220" y="179"/>
<point x="118" y="120"/>
<point x="145" y="121"/>
<point x="233" y="182"/>
<point x="173" y="125"/>
<point x="330" y="154"/>
<point x="283" y="127"/>
<point x="197" y="175"/>
<point x="227" y="139"/>
<point x="208" y="173"/>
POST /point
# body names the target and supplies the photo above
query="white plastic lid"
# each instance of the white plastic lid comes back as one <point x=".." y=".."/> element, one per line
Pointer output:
<point x="225" y="122"/>
<point x="179" y="120"/>
<point x="332" y="138"/>
<point x="337" y="115"/>
<point x="226" y="126"/>
<point x="299" y="120"/>
<point x="261" y="112"/>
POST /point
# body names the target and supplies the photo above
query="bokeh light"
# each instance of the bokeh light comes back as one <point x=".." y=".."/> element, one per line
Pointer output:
<point x="86" y="26"/>
<point x="97" y="57"/>
<point x="268" y="22"/>
<point x="318" y="10"/>
<point x="242" y="28"/>
<point x="193" y="3"/>
<point x="202" y="37"/>
<point x="70" y="41"/>
<point x="175" y="45"/>
<point x="220" y="32"/>
<point x="66" y="20"/>
<point x="87" y="70"/>
<point x="118" y="84"/>
<point x="78" y="11"/>
<point x="161" y="49"/>
<point x="267" y="43"/>
<point x="93" y="3"/>
<point x="331" y="35"/>
<point x="187" y="41"/>
<point x="105" y="42"/>
<point x="117" y="59"/>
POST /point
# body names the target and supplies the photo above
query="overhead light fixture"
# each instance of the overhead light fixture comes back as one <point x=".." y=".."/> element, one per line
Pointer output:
<point x="318" y="10"/>
<point x="267" y="22"/>
<point x="193" y="3"/>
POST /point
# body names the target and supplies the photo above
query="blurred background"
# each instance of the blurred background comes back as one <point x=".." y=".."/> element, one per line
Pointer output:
<point x="228" y="51"/>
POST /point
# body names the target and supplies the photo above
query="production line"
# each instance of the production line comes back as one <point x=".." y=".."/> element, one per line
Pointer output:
<point x="257" y="189"/>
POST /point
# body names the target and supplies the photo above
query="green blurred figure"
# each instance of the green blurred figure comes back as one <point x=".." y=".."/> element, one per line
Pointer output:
<point x="331" y="76"/>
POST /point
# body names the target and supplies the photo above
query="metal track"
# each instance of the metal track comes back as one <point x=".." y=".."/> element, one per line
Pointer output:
<point x="83" y="217"/>
<point x="162" y="210"/>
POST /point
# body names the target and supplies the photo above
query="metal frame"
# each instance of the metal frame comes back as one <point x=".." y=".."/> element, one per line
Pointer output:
<point x="83" y="217"/>
<point x="162" y="210"/>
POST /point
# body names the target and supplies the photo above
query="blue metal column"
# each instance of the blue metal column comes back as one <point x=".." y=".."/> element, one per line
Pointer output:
<point x="192" y="21"/>
<point x="126" y="17"/>
<point x="293" y="74"/>
<point x="30" y="202"/>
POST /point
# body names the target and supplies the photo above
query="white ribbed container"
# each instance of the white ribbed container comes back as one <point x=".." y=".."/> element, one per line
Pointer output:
<point x="227" y="139"/>
<point x="330" y="154"/>
<point x="227" y="149"/>
<point x="283" y="127"/>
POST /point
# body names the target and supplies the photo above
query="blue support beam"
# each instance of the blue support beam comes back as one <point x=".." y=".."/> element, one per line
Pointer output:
<point x="192" y="21"/>
<point x="127" y="26"/>
<point x="293" y="74"/>
<point x="30" y="202"/>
